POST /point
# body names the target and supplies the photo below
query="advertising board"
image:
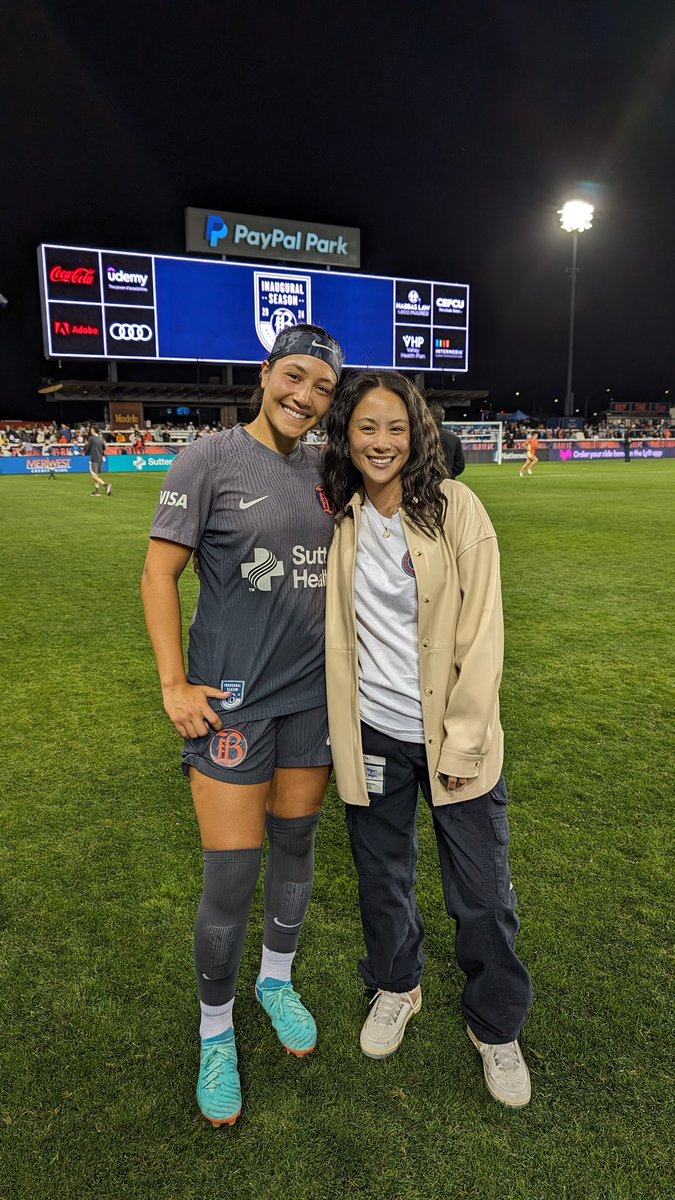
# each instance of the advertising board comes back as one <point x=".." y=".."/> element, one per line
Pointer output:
<point x="238" y="235"/>
<point x="127" y="305"/>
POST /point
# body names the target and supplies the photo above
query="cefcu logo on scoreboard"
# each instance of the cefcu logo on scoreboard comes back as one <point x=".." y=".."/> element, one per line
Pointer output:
<point x="240" y="235"/>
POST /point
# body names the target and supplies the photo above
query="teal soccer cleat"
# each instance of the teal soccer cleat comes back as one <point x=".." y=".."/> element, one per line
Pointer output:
<point x="218" y="1086"/>
<point x="294" y="1025"/>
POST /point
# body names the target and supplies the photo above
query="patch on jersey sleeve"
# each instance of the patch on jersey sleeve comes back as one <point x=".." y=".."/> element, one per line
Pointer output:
<point x="374" y="767"/>
<point x="174" y="499"/>
<point x="228" y="748"/>
<point x="236" y="687"/>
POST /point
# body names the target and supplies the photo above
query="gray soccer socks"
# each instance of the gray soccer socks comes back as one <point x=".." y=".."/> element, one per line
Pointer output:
<point x="230" y="877"/>
<point x="288" y="879"/>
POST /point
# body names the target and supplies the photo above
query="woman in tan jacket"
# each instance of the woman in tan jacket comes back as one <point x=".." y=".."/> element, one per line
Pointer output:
<point x="414" y="644"/>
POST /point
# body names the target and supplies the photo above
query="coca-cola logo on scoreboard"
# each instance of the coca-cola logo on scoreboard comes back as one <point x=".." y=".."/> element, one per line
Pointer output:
<point x="83" y="275"/>
<point x="72" y="274"/>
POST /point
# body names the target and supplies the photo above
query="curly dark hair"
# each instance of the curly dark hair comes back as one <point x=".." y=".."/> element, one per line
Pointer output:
<point x="423" y="502"/>
<point x="256" y="399"/>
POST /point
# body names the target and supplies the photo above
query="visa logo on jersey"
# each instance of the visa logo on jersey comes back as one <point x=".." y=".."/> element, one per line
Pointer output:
<point x="173" y="499"/>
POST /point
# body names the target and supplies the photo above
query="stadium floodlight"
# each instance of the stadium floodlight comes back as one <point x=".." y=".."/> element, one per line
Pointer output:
<point x="576" y="216"/>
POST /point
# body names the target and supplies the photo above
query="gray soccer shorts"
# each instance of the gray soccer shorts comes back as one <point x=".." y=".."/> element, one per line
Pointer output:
<point x="250" y="751"/>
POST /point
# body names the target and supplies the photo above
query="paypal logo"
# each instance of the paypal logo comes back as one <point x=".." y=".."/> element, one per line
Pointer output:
<point x="216" y="230"/>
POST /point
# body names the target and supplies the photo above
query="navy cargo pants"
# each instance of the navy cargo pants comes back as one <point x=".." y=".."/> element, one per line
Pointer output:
<point x="473" y="841"/>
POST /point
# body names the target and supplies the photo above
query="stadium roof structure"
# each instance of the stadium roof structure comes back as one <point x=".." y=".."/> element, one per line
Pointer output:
<point x="147" y="393"/>
<point x="453" y="398"/>
<point x="210" y="393"/>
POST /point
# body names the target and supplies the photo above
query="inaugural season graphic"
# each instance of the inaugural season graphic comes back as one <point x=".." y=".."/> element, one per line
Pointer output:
<point x="281" y="300"/>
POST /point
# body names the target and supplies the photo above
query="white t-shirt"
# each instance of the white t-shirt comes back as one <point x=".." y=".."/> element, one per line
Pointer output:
<point x="386" y="624"/>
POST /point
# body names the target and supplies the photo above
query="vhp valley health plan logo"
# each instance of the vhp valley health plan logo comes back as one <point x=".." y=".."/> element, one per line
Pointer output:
<point x="281" y="300"/>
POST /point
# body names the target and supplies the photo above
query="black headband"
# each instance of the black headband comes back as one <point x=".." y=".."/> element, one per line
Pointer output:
<point x="308" y="341"/>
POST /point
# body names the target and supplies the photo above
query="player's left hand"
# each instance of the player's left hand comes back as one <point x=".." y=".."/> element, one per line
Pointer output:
<point x="455" y="781"/>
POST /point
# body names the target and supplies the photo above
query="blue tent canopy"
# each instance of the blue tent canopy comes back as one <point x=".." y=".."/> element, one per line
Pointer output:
<point x="518" y="415"/>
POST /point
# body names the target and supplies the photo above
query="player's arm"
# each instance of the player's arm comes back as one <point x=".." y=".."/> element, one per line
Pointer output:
<point x="185" y="704"/>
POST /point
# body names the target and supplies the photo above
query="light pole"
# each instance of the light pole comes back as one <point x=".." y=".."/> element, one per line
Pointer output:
<point x="575" y="217"/>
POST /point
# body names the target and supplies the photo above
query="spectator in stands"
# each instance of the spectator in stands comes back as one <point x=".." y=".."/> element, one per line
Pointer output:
<point x="452" y="446"/>
<point x="413" y="705"/>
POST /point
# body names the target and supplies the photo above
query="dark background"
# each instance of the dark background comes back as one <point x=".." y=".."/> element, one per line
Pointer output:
<point x="449" y="132"/>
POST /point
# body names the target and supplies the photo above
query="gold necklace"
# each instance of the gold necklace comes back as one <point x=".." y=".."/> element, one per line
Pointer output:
<point x="386" y="528"/>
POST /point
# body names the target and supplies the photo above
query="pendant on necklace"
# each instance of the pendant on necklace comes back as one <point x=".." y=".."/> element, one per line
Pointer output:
<point x="387" y="533"/>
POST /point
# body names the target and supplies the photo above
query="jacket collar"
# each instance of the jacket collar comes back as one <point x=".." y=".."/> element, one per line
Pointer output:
<point x="356" y="502"/>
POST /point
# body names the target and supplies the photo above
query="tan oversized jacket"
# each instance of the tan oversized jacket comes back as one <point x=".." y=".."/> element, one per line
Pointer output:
<point x="461" y="643"/>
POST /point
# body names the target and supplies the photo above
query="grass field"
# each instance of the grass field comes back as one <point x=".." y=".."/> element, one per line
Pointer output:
<point x="100" y="875"/>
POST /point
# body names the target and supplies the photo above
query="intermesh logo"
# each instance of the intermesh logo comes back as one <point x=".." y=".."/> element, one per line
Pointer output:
<point x="264" y="568"/>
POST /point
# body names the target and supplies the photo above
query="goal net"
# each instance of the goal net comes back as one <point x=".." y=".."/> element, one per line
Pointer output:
<point x="481" y="440"/>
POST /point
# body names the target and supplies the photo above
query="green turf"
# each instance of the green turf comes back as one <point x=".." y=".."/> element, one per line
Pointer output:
<point x="100" y="871"/>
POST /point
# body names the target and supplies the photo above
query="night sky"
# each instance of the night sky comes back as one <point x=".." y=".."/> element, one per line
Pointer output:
<point x="449" y="132"/>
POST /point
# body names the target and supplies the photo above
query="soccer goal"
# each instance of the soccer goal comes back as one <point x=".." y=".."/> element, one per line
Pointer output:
<point x="481" y="440"/>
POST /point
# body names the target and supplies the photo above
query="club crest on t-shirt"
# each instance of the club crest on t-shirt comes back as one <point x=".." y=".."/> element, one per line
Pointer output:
<point x="407" y="564"/>
<point x="236" y="687"/>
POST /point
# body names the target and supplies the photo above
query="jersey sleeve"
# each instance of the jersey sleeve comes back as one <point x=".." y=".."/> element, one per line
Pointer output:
<point x="185" y="500"/>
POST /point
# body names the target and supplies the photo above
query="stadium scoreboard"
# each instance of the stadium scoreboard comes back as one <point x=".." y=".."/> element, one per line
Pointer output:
<point x="109" y="304"/>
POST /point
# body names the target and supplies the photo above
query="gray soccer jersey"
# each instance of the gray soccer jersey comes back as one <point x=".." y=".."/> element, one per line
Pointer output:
<point x="261" y="529"/>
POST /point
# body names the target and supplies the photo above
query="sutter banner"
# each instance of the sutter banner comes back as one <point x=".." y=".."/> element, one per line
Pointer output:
<point x="212" y="231"/>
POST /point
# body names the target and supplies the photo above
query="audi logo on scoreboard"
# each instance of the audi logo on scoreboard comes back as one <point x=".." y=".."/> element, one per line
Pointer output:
<point x="130" y="333"/>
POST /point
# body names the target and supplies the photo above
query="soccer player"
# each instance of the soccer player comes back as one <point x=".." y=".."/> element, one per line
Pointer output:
<point x="95" y="448"/>
<point x="252" y="707"/>
<point x="531" y="447"/>
<point x="414" y="642"/>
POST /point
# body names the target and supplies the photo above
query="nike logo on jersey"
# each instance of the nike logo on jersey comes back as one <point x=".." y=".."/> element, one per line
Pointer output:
<point x="283" y="926"/>
<point x="249" y="503"/>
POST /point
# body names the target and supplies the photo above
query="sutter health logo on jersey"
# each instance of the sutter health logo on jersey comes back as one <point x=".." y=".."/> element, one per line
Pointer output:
<point x="266" y="566"/>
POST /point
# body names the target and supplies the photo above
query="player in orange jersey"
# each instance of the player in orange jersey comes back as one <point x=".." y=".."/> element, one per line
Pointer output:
<point x="531" y="447"/>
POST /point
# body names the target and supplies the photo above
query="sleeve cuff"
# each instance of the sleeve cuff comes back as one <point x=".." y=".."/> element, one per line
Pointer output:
<point x="463" y="766"/>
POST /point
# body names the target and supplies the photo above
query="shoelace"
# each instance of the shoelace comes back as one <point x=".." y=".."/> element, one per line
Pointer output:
<point x="218" y="1057"/>
<point x="507" y="1057"/>
<point x="285" y="999"/>
<point x="387" y="1007"/>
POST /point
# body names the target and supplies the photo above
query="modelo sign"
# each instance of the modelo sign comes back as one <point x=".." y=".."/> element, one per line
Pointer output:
<point x="210" y="231"/>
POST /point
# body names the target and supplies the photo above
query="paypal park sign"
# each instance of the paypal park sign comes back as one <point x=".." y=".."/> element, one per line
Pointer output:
<point x="237" y="235"/>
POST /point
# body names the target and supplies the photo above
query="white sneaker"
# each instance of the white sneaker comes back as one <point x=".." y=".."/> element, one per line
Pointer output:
<point x="505" y="1071"/>
<point x="385" y="1024"/>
